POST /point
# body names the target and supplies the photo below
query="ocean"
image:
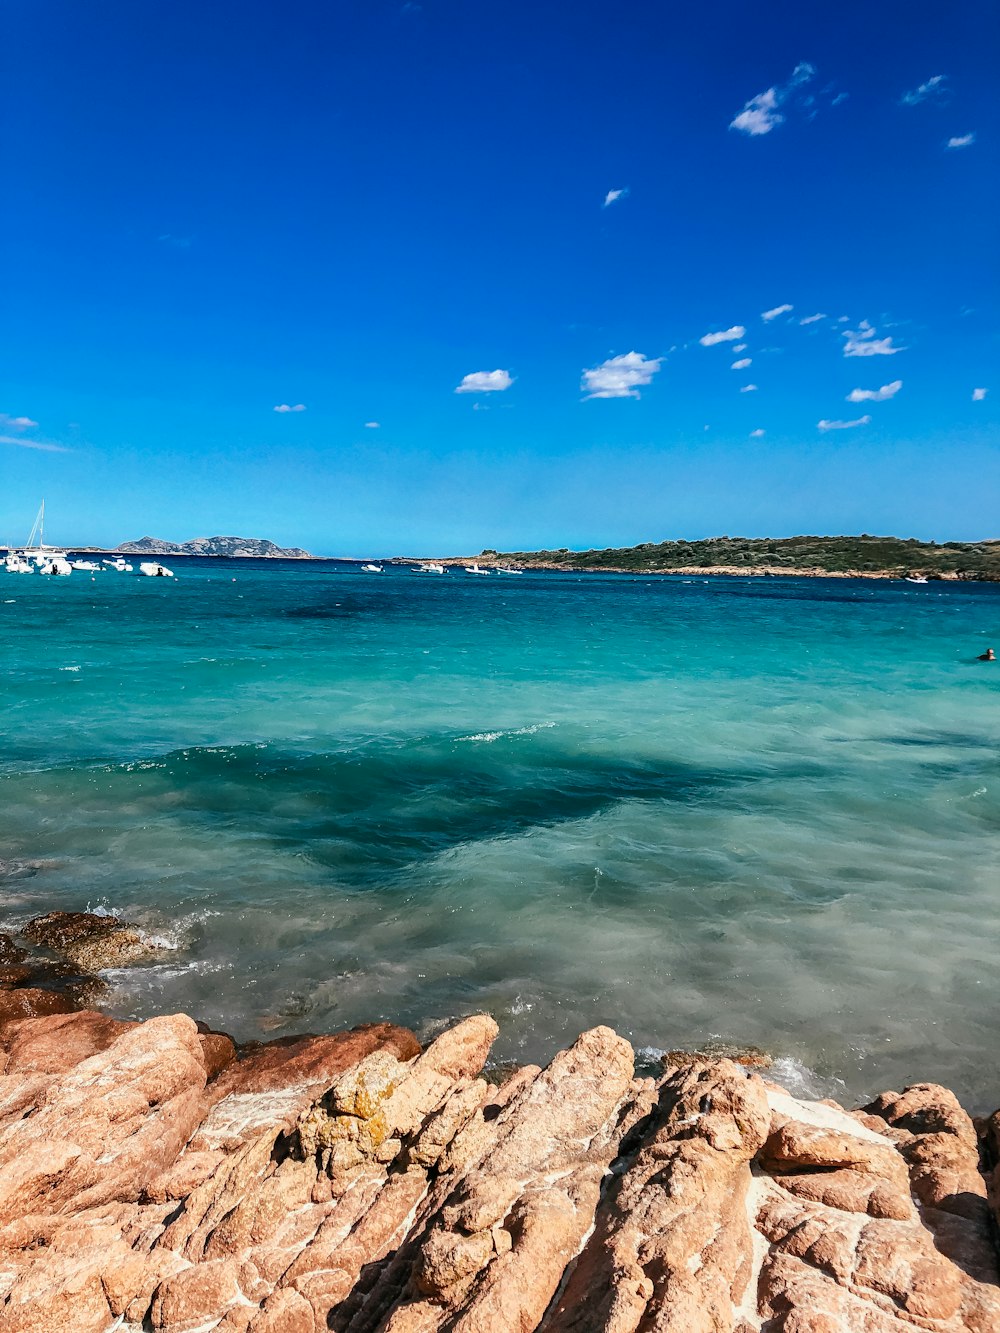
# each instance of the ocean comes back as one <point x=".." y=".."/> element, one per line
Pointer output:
<point x="750" y="811"/>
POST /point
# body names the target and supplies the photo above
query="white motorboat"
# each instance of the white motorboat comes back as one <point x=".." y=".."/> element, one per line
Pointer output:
<point x="56" y="564"/>
<point x="508" y="569"/>
<point x="373" y="569"/>
<point x="474" y="568"/>
<point x="428" y="567"/>
<point x="90" y="566"/>
<point x="119" y="565"/>
<point x="910" y="579"/>
<point x="16" y="564"/>
<point x="152" y="569"/>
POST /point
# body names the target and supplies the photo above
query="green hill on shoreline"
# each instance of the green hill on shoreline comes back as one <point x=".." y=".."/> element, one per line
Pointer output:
<point x="866" y="556"/>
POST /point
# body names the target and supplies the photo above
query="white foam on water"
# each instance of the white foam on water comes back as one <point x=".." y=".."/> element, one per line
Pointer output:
<point x="179" y="934"/>
<point x="487" y="736"/>
<point x="801" y="1081"/>
<point x="69" y="668"/>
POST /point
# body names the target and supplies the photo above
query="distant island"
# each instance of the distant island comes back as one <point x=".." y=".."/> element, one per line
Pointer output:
<point x="257" y="547"/>
<point x="858" y="557"/>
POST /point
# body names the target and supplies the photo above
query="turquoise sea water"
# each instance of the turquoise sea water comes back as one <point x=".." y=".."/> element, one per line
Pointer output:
<point x="764" y="811"/>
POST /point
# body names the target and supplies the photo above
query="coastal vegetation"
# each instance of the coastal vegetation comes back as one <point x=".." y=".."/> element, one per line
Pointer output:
<point x="865" y="555"/>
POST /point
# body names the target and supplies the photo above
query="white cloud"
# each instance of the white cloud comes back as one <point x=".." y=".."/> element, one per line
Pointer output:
<point x="934" y="87"/>
<point x="739" y="347"/>
<point x="961" y="140"/>
<point x="726" y="336"/>
<point x="290" y="407"/>
<point x="979" y="394"/>
<point x="862" y="342"/>
<point x="757" y="434"/>
<point x="19" y="424"/>
<point x="613" y="196"/>
<point x="372" y="425"/>
<point x="812" y="319"/>
<point x="620" y="376"/>
<point x="843" y="425"/>
<point x="761" y="114"/>
<point x="749" y="388"/>
<point x="485" y="381"/>
<point x="22" y="443"/>
<point x="875" y="395"/>
<point x="742" y="363"/>
<point x="768" y="315"/>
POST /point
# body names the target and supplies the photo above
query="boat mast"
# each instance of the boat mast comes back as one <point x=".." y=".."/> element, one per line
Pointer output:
<point x="38" y="527"/>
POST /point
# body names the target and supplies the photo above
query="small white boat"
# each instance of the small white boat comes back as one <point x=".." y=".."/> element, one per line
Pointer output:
<point x="508" y="569"/>
<point x="119" y="565"/>
<point x="90" y="566"/>
<point x="908" y="579"/>
<point x="474" y="568"/>
<point x="373" y="569"/>
<point x="428" y="567"/>
<point x="153" y="570"/>
<point x="16" y="564"/>
<point x="55" y="565"/>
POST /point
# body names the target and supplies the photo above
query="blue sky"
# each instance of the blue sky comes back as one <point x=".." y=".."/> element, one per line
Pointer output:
<point x="214" y="211"/>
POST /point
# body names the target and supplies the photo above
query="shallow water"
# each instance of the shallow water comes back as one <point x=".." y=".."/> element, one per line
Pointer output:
<point x="765" y="811"/>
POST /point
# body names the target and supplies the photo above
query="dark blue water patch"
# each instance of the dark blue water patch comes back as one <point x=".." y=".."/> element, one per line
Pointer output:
<point x="374" y="813"/>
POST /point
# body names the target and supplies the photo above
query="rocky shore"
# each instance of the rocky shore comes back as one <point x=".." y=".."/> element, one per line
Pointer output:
<point x="154" y="1176"/>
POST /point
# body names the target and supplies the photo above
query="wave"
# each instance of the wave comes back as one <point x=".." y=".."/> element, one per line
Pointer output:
<point x="488" y="736"/>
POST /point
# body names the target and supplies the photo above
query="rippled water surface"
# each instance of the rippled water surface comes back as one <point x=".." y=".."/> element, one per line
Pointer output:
<point x="763" y="811"/>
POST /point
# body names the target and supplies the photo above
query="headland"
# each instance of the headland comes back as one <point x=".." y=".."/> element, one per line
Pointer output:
<point x="864" y="557"/>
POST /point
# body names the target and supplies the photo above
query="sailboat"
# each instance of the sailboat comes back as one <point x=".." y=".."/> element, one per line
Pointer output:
<point x="47" y="559"/>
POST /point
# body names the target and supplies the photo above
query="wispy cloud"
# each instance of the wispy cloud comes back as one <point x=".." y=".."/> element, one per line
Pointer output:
<point x="843" y="425"/>
<point x="290" y="407"/>
<point x="757" y="434"/>
<point x="768" y="315"/>
<point x="762" y="114"/>
<point x="11" y="432"/>
<point x="979" y="394"/>
<point x="44" y="445"/>
<point x="875" y="395"/>
<point x="749" y="388"/>
<point x="620" y="376"/>
<point x="726" y="336"/>
<point x="739" y="347"/>
<point x="175" y="242"/>
<point x="934" y="87"/>
<point x="485" y="381"/>
<point x="862" y="342"/>
<point x="372" y="425"/>
<point x="962" y="140"/>
<point x="742" y="363"/>
<point x="613" y="196"/>
<point x="812" y="319"/>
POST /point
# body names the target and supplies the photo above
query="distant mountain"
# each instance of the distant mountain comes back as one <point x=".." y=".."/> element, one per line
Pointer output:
<point x="224" y="546"/>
